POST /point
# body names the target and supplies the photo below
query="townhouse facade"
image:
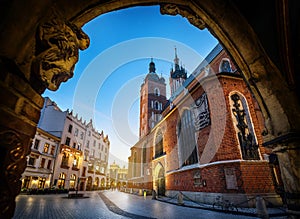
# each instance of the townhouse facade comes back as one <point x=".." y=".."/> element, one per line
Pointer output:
<point x="118" y="176"/>
<point x="41" y="161"/>
<point x="82" y="152"/>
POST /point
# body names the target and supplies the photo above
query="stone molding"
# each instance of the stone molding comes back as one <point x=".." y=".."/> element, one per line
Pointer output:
<point x="193" y="18"/>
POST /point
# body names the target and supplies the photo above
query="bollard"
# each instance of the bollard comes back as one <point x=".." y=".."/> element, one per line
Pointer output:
<point x="145" y="194"/>
<point x="180" y="199"/>
<point x="261" y="209"/>
<point x="140" y="192"/>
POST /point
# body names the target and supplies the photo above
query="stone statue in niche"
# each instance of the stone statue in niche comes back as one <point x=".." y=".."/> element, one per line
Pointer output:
<point x="247" y="142"/>
<point x="58" y="42"/>
<point x="200" y="113"/>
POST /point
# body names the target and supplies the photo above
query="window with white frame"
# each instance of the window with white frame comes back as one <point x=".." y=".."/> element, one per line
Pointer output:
<point x="36" y="144"/>
<point x="157" y="105"/>
<point x="156" y="91"/>
<point x="76" y="132"/>
<point x="68" y="140"/>
<point x="70" y="128"/>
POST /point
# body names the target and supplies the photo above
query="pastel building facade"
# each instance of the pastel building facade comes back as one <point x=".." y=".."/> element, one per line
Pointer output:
<point x="41" y="161"/>
<point x="83" y="152"/>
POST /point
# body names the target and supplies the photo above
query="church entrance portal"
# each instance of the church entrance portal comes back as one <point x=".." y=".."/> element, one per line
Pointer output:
<point x="159" y="180"/>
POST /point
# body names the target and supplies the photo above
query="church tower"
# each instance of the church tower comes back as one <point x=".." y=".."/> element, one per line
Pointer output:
<point x="152" y="100"/>
<point x="177" y="75"/>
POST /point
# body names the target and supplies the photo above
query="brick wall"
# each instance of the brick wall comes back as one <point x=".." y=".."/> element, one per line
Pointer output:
<point x="251" y="177"/>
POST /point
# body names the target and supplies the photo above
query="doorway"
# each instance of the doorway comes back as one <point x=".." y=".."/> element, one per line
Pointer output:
<point x="159" y="180"/>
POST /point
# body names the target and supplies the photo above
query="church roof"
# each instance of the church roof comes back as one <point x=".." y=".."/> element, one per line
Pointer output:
<point x="208" y="59"/>
<point x="179" y="71"/>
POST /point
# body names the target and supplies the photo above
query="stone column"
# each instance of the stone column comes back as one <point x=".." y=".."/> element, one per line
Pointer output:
<point x="20" y="112"/>
<point x="287" y="149"/>
<point x="56" y="52"/>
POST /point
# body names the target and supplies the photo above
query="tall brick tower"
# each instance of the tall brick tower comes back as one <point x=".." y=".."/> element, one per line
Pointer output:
<point x="177" y="75"/>
<point x="152" y="100"/>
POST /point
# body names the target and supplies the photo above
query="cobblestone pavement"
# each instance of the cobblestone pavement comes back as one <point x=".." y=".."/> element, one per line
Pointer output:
<point x="58" y="206"/>
<point x="107" y="204"/>
<point x="156" y="209"/>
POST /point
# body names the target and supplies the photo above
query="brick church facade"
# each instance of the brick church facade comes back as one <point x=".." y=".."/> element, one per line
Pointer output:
<point x="206" y="139"/>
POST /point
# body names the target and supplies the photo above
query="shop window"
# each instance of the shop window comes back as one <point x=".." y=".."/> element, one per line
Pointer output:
<point x="61" y="180"/>
<point x="26" y="182"/>
<point x="72" y="181"/>
<point x="42" y="182"/>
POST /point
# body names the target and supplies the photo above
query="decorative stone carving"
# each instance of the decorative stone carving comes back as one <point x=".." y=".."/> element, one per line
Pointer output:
<point x="247" y="142"/>
<point x="192" y="17"/>
<point x="200" y="112"/>
<point x="13" y="160"/>
<point x="58" y="42"/>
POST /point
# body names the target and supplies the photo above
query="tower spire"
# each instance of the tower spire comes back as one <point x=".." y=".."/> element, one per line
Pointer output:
<point x="176" y="60"/>
<point x="152" y="66"/>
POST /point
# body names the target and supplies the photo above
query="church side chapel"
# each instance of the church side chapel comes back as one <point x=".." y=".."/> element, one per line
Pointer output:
<point x="205" y="140"/>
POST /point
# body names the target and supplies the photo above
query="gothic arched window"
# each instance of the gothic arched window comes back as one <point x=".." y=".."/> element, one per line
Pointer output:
<point x="156" y="91"/>
<point x="134" y="164"/>
<point x="243" y="127"/>
<point x="187" y="146"/>
<point x="157" y="105"/>
<point x="225" y="66"/>
<point x="144" y="157"/>
<point x="159" y="148"/>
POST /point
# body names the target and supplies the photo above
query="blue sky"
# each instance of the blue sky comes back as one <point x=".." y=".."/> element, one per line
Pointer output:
<point x="107" y="78"/>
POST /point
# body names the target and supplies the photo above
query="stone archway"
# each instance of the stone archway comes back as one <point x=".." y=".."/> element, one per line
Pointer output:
<point x="96" y="183"/>
<point x="102" y="183"/>
<point x="159" y="180"/>
<point x="25" y="75"/>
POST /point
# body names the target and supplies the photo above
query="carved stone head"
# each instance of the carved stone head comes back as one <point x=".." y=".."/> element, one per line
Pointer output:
<point x="58" y="42"/>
